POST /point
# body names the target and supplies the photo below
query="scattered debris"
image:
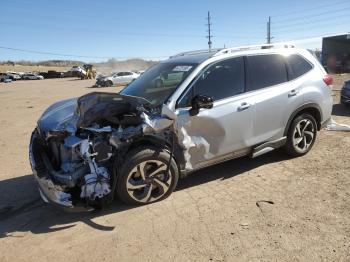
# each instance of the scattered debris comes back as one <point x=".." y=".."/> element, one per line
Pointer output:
<point x="334" y="126"/>
<point x="257" y="203"/>
<point x="244" y="225"/>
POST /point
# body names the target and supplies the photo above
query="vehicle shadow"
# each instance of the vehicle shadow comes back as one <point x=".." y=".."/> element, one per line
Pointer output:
<point x="229" y="169"/>
<point x="340" y="110"/>
<point x="23" y="211"/>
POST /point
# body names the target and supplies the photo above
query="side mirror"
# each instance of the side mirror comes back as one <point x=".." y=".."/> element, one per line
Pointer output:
<point x="200" y="101"/>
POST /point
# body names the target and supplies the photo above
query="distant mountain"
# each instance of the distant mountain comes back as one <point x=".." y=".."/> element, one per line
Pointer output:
<point x="64" y="63"/>
<point x="112" y="65"/>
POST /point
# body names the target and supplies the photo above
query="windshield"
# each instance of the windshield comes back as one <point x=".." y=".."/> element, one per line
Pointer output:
<point x="159" y="82"/>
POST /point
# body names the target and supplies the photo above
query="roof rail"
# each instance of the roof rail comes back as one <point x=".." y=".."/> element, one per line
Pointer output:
<point x="197" y="52"/>
<point x="253" y="47"/>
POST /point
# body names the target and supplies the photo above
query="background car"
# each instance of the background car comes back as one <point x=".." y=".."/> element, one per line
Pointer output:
<point x="168" y="79"/>
<point x="32" y="77"/>
<point x="5" y="78"/>
<point x="117" y="79"/>
<point x="52" y="74"/>
<point x="345" y="93"/>
<point x="13" y="76"/>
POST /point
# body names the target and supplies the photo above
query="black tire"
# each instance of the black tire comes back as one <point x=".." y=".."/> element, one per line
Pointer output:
<point x="307" y="141"/>
<point x="109" y="83"/>
<point x="133" y="161"/>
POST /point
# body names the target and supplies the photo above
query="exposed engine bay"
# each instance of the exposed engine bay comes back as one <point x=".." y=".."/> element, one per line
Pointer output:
<point x="79" y="143"/>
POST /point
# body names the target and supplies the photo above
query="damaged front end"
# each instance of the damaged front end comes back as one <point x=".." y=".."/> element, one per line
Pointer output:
<point x="78" y="143"/>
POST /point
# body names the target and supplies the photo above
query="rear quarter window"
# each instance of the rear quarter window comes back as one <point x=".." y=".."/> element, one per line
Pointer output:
<point x="297" y="66"/>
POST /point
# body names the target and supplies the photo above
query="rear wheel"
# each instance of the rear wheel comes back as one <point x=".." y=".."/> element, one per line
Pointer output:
<point x="301" y="135"/>
<point x="144" y="179"/>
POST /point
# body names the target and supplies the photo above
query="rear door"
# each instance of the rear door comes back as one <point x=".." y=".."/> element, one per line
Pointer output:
<point x="217" y="133"/>
<point x="128" y="77"/>
<point x="119" y="78"/>
<point x="275" y="97"/>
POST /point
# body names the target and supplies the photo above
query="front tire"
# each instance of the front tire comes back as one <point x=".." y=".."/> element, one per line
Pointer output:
<point x="143" y="179"/>
<point x="301" y="135"/>
<point x="109" y="83"/>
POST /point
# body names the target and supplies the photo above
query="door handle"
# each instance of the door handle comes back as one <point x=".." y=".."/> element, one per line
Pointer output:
<point x="243" y="106"/>
<point x="293" y="92"/>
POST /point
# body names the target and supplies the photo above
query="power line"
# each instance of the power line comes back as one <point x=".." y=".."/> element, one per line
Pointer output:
<point x="310" y="9"/>
<point x="315" y="37"/>
<point x="313" y="16"/>
<point x="310" y="26"/>
<point x="69" y="55"/>
<point x="32" y="27"/>
<point x="310" y="23"/>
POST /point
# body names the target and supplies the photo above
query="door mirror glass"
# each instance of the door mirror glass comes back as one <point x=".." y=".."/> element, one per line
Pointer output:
<point x="200" y="101"/>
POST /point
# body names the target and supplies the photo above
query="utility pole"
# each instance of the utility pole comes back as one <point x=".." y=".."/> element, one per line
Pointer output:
<point x="209" y="31"/>
<point x="268" y="38"/>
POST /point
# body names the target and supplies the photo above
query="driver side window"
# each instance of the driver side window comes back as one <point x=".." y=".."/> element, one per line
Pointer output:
<point x="219" y="81"/>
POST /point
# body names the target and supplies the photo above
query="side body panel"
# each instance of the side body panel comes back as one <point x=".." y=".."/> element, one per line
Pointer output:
<point x="216" y="132"/>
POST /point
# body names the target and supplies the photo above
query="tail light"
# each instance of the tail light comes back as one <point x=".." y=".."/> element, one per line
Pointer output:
<point x="328" y="80"/>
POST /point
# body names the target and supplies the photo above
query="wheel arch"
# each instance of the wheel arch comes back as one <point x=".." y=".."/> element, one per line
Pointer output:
<point x="310" y="108"/>
<point x="158" y="142"/>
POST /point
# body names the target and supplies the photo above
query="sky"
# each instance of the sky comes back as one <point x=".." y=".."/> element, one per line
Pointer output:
<point x="94" y="31"/>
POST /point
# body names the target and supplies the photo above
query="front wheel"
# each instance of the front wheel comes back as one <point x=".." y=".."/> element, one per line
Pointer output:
<point x="301" y="135"/>
<point x="144" y="179"/>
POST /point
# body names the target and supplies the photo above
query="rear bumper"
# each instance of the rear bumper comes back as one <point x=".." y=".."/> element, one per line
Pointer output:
<point x="50" y="191"/>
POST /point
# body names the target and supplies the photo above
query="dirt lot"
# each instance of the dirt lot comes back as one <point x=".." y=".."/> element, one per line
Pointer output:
<point x="214" y="215"/>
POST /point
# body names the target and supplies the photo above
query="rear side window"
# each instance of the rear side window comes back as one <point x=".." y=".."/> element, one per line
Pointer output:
<point x="266" y="70"/>
<point x="297" y="66"/>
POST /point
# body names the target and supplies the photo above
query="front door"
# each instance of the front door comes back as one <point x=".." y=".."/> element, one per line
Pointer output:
<point x="224" y="130"/>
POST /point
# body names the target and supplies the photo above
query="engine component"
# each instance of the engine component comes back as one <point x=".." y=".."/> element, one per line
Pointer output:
<point x="96" y="184"/>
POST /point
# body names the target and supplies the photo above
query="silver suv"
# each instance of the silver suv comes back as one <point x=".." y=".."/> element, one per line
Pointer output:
<point x="209" y="107"/>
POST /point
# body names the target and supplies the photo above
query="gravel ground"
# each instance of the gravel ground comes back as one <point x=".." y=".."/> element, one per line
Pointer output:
<point x="271" y="208"/>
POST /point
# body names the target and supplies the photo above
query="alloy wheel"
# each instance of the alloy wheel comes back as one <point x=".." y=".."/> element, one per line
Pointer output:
<point x="303" y="135"/>
<point x="148" y="181"/>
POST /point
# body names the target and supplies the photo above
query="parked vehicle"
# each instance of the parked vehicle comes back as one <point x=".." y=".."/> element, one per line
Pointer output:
<point x="120" y="78"/>
<point x="52" y="74"/>
<point x="345" y="93"/>
<point x="77" y="71"/>
<point x="229" y="103"/>
<point x="13" y="76"/>
<point x="32" y="77"/>
<point x="5" y="78"/>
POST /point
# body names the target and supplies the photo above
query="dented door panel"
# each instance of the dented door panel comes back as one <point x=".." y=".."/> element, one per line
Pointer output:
<point x="216" y="132"/>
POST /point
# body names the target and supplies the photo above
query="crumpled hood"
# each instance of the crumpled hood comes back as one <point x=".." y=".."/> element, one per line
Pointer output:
<point x="71" y="114"/>
<point x="58" y="116"/>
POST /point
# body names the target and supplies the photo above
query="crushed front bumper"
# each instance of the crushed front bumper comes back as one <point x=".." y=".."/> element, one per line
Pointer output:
<point x="50" y="191"/>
